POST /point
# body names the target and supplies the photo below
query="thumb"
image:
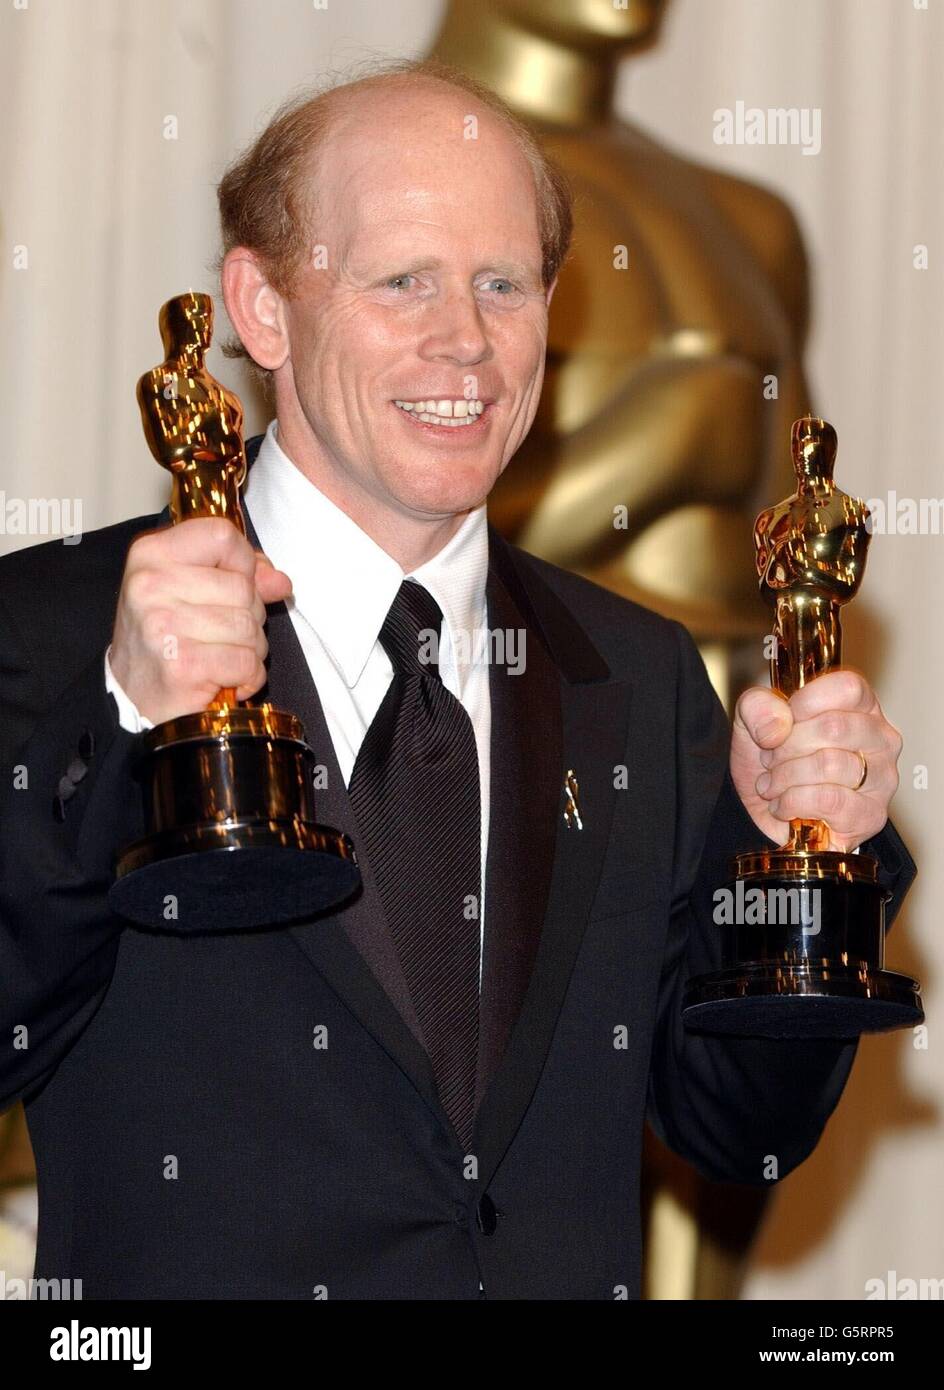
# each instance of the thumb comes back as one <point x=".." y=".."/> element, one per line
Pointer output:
<point x="273" y="584"/>
<point x="762" y="720"/>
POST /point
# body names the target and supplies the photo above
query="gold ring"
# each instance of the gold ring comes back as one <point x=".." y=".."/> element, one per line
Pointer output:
<point x="865" y="770"/>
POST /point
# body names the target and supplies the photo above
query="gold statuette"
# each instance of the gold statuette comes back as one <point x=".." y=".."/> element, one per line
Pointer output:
<point x="804" y="926"/>
<point x="231" y="836"/>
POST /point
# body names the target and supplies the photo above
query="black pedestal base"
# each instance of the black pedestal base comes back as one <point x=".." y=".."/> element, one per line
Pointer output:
<point x="176" y="887"/>
<point x="776" y="1001"/>
<point x="802" y="956"/>
<point x="232" y="840"/>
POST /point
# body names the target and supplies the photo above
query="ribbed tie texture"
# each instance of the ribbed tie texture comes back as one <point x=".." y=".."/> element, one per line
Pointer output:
<point x="415" y="794"/>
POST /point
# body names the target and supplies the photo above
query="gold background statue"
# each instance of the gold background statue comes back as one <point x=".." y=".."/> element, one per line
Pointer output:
<point x="670" y="390"/>
<point x="659" y="376"/>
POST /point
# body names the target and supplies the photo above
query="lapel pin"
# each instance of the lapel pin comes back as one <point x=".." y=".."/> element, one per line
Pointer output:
<point x="571" y="806"/>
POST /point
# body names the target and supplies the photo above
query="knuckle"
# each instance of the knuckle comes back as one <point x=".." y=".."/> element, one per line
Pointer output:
<point x="245" y="663"/>
<point x="830" y="764"/>
<point x="237" y="547"/>
<point x="240" y="625"/>
<point x="140" y="586"/>
<point x="186" y="668"/>
<point x="156" y="624"/>
<point x="243" y="590"/>
<point x="145" y="549"/>
<point x="833" y="727"/>
<point x="215" y="528"/>
<point x="247" y="627"/>
<point x="850" y="686"/>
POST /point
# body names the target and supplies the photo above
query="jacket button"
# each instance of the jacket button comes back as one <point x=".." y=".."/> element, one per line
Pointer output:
<point x="86" y="744"/>
<point x="486" y="1216"/>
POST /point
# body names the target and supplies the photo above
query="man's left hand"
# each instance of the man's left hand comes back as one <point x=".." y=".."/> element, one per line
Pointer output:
<point x="804" y="758"/>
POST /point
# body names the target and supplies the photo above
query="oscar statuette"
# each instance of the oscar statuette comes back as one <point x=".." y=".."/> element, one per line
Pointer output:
<point x="231" y="839"/>
<point x="803" y="948"/>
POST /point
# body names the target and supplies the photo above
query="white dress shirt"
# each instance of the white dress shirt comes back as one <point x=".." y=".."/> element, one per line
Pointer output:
<point x="344" y="584"/>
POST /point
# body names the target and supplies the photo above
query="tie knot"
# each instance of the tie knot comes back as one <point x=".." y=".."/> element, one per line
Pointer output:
<point x="411" y="630"/>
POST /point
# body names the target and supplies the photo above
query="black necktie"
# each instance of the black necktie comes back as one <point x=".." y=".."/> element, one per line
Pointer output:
<point x="415" y="794"/>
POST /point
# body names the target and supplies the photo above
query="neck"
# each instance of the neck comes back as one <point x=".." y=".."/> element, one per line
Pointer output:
<point x="409" y="539"/>
<point x="542" y="78"/>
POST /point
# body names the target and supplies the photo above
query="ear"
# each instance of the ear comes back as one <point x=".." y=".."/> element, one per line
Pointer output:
<point x="549" y="295"/>
<point x="256" y="310"/>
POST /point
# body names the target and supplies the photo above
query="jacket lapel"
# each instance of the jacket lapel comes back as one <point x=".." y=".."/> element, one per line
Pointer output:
<point x="524" y="802"/>
<point x="541" y="873"/>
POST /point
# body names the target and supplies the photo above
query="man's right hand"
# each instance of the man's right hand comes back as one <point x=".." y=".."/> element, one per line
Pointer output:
<point x="190" y="617"/>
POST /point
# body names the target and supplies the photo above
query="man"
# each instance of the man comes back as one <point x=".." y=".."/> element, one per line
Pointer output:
<point x="438" y="1090"/>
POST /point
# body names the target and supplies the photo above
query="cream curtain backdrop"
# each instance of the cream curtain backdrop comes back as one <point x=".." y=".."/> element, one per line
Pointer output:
<point x="115" y="217"/>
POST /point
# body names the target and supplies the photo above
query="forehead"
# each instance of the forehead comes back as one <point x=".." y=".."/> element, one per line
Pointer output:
<point x="428" y="167"/>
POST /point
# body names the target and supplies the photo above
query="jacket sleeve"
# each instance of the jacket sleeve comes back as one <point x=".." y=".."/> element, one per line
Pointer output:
<point x="67" y="802"/>
<point x="731" y="1105"/>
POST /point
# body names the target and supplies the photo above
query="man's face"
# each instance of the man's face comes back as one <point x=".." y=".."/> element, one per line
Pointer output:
<point x="431" y="293"/>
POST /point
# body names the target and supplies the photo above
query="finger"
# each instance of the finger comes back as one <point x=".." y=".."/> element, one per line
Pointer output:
<point x="836" y="765"/>
<point x="841" y="807"/>
<point x="204" y="584"/>
<point x="218" y="624"/>
<point x="836" y="690"/>
<point x="220" y="666"/>
<point x="273" y="584"/>
<point x="852" y="817"/>
<point x="764" y="715"/>
<point x="836" y="729"/>
<point x="200" y="540"/>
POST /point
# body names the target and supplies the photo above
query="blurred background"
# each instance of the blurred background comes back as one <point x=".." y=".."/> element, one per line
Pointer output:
<point x="716" y="290"/>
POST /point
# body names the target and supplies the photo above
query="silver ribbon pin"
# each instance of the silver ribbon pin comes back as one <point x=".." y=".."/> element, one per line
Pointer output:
<point x="571" y="806"/>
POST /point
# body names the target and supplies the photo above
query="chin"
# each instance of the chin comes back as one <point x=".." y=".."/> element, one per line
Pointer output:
<point x="447" y="490"/>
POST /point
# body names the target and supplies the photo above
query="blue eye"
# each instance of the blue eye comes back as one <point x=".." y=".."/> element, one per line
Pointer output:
<point x="500" y="281"/>
<point x="392" y="282"/>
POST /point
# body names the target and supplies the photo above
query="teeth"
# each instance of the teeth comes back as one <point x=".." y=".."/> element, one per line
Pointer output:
<point x="444" y="412"/>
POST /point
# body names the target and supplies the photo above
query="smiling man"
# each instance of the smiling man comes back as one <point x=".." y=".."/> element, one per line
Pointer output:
<point x="437" y="1090"/>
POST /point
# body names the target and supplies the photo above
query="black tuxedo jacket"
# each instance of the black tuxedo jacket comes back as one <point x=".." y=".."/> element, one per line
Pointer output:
<point x="252" y="1115"/>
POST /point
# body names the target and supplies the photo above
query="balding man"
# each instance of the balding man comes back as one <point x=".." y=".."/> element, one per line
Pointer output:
<point x="437" y="1090"/>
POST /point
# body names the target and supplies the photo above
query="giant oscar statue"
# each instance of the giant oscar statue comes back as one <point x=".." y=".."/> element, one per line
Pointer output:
<point x="229" y="799"/>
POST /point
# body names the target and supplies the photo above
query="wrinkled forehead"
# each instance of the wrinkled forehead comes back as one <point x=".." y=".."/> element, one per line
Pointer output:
<point x="431" y="169"/>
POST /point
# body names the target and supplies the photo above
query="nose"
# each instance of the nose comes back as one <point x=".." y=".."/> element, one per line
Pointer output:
<point x="454" y="330"/>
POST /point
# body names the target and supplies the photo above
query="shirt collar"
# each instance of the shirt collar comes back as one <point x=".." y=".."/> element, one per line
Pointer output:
<point x="344" y="582"/>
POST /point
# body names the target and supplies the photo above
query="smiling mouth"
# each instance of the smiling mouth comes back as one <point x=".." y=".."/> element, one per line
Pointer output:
<point x="449" y="414"/>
